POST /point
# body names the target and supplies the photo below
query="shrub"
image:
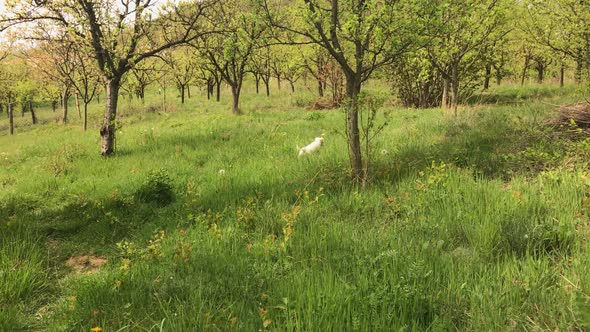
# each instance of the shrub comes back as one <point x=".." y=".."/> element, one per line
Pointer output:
<point x="156" y="188"/>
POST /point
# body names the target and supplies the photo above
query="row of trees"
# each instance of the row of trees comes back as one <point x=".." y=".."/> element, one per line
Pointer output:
<point x="433" y="52"/>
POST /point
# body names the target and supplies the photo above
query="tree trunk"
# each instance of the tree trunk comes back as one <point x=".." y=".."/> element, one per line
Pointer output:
<point x="578" y="71"/>
<point x="218" y="91"/>
<point x="53" y="106"/>
<point x="292" y="86"/>
<point x="267" y="86"/>
<point x="182" y="88"/>
<point x="107" y="131"/>
<point x="164" y="99"/>
<point x="85" y="116"/>
<point x="540" y="72"/>
<point x="279" y="82"/>
<point x="498" y="76"/>
<point x="78" y="106"/>
<point x="65" y="97"/>
<point x="455" y="88"/>
<point x="353" y="88"/>
<point x="142" y="93"/>
<point x="235" y="92"/>
<point x="562" y="76"/>
<point x="188" y="91"/>
<point x="32" y="110"/>
<point x="209" y="88"/>
<point x="524" y="69"/>
<point x="257" y="78"/>
<point x="445" y="94"/>
<point x="10" y="119"/>
<point x="488" y="76"/>
<point x="320" y="88"/>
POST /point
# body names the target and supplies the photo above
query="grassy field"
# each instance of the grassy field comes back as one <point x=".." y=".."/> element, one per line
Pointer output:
<point x="209" y="221"/>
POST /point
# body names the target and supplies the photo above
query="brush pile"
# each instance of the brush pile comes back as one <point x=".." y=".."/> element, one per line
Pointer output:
<point x="573" y="119"/>
<point x="323" y="104"/>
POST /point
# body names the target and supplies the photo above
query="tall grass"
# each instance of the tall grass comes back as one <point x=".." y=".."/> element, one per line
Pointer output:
<point x="476" y="223"/>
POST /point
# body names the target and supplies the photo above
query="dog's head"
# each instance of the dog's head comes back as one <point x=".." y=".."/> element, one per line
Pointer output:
<point x="320" y="139"/>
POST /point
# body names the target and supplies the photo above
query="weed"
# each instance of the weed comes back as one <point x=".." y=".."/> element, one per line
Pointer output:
<point x="156" y="188"/>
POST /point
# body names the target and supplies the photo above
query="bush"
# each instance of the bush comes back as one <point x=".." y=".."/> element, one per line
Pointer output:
<point x="156" y="188"/>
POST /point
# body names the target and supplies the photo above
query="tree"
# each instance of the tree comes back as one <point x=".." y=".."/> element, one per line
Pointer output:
<point x="119" y="34"/>
<point x="315" y="60"/>
<point x="85" y="81"/>
<point x="460" y="31"/>
<point x="209" y="73"/>
<point x="9" y="74"/>
<point x="260" y="67"/>
<point x="55" y="62"/>
<point x="287" y="63"/>
<point x="562" y="26"/>
<point x="360" y="35"/>
<point x="231" y="51"/>
<point x="144" y="74"/>
<point x="183" y="68"/>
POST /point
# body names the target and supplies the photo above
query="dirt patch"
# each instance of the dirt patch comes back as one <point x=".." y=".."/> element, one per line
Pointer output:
<point x="86" y="263"/>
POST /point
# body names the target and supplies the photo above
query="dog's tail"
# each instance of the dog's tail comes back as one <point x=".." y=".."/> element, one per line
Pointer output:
<point x="299" y="151"/>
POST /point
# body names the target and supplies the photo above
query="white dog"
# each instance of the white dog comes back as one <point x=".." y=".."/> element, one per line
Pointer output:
<point x="312" y="147"/>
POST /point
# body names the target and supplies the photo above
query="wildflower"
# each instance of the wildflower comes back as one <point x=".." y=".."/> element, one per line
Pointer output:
<point x="96" y="329"/>
<point x="384" y="152"/>
<point x="221" y="172"/>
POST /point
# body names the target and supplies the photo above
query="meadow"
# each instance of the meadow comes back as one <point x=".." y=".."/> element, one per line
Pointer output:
<point x="208" y="221"/>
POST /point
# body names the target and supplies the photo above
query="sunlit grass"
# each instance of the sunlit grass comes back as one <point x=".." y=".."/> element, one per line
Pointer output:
<point x="475" y="223"/>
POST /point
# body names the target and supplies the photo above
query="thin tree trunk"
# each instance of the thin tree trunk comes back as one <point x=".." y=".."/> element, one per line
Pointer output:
<point x="320" y="88"/>
<point x="267" y="86"/>
<point x="235" y="92"/>
<point x="352" y="128"/>
<point x="85" y="116"/>
<point x="445" y="94"/>
<point x="279" y="82"/>
<point x="540" y="73"/>
<point x="562" y="76"/>
<point x="65" y="97"/>
<point x="53" y="106"/>
<point x="578" y="71"/>
<point x="78" y="106"/>
<point x="488" y="76"/>
<point x="32" y="110"/>
<point x="107" y="131"/>
<point x="455" y="88"/>
<point x="524" y="69"/>
<point x="164" y="100"/>
<point x="10" y="119"/>
<point x="188" y="91"/>
<point x="498" y="76"/>
<point x="182" y="88"/>
<point x="257" y="78"/>
<point x="218" y="91"/>
<point x="142" y="93"/>
<point x="292" y="86"/>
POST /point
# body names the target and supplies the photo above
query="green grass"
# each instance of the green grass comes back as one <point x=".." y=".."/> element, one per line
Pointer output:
<point x="475" y="223"/>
